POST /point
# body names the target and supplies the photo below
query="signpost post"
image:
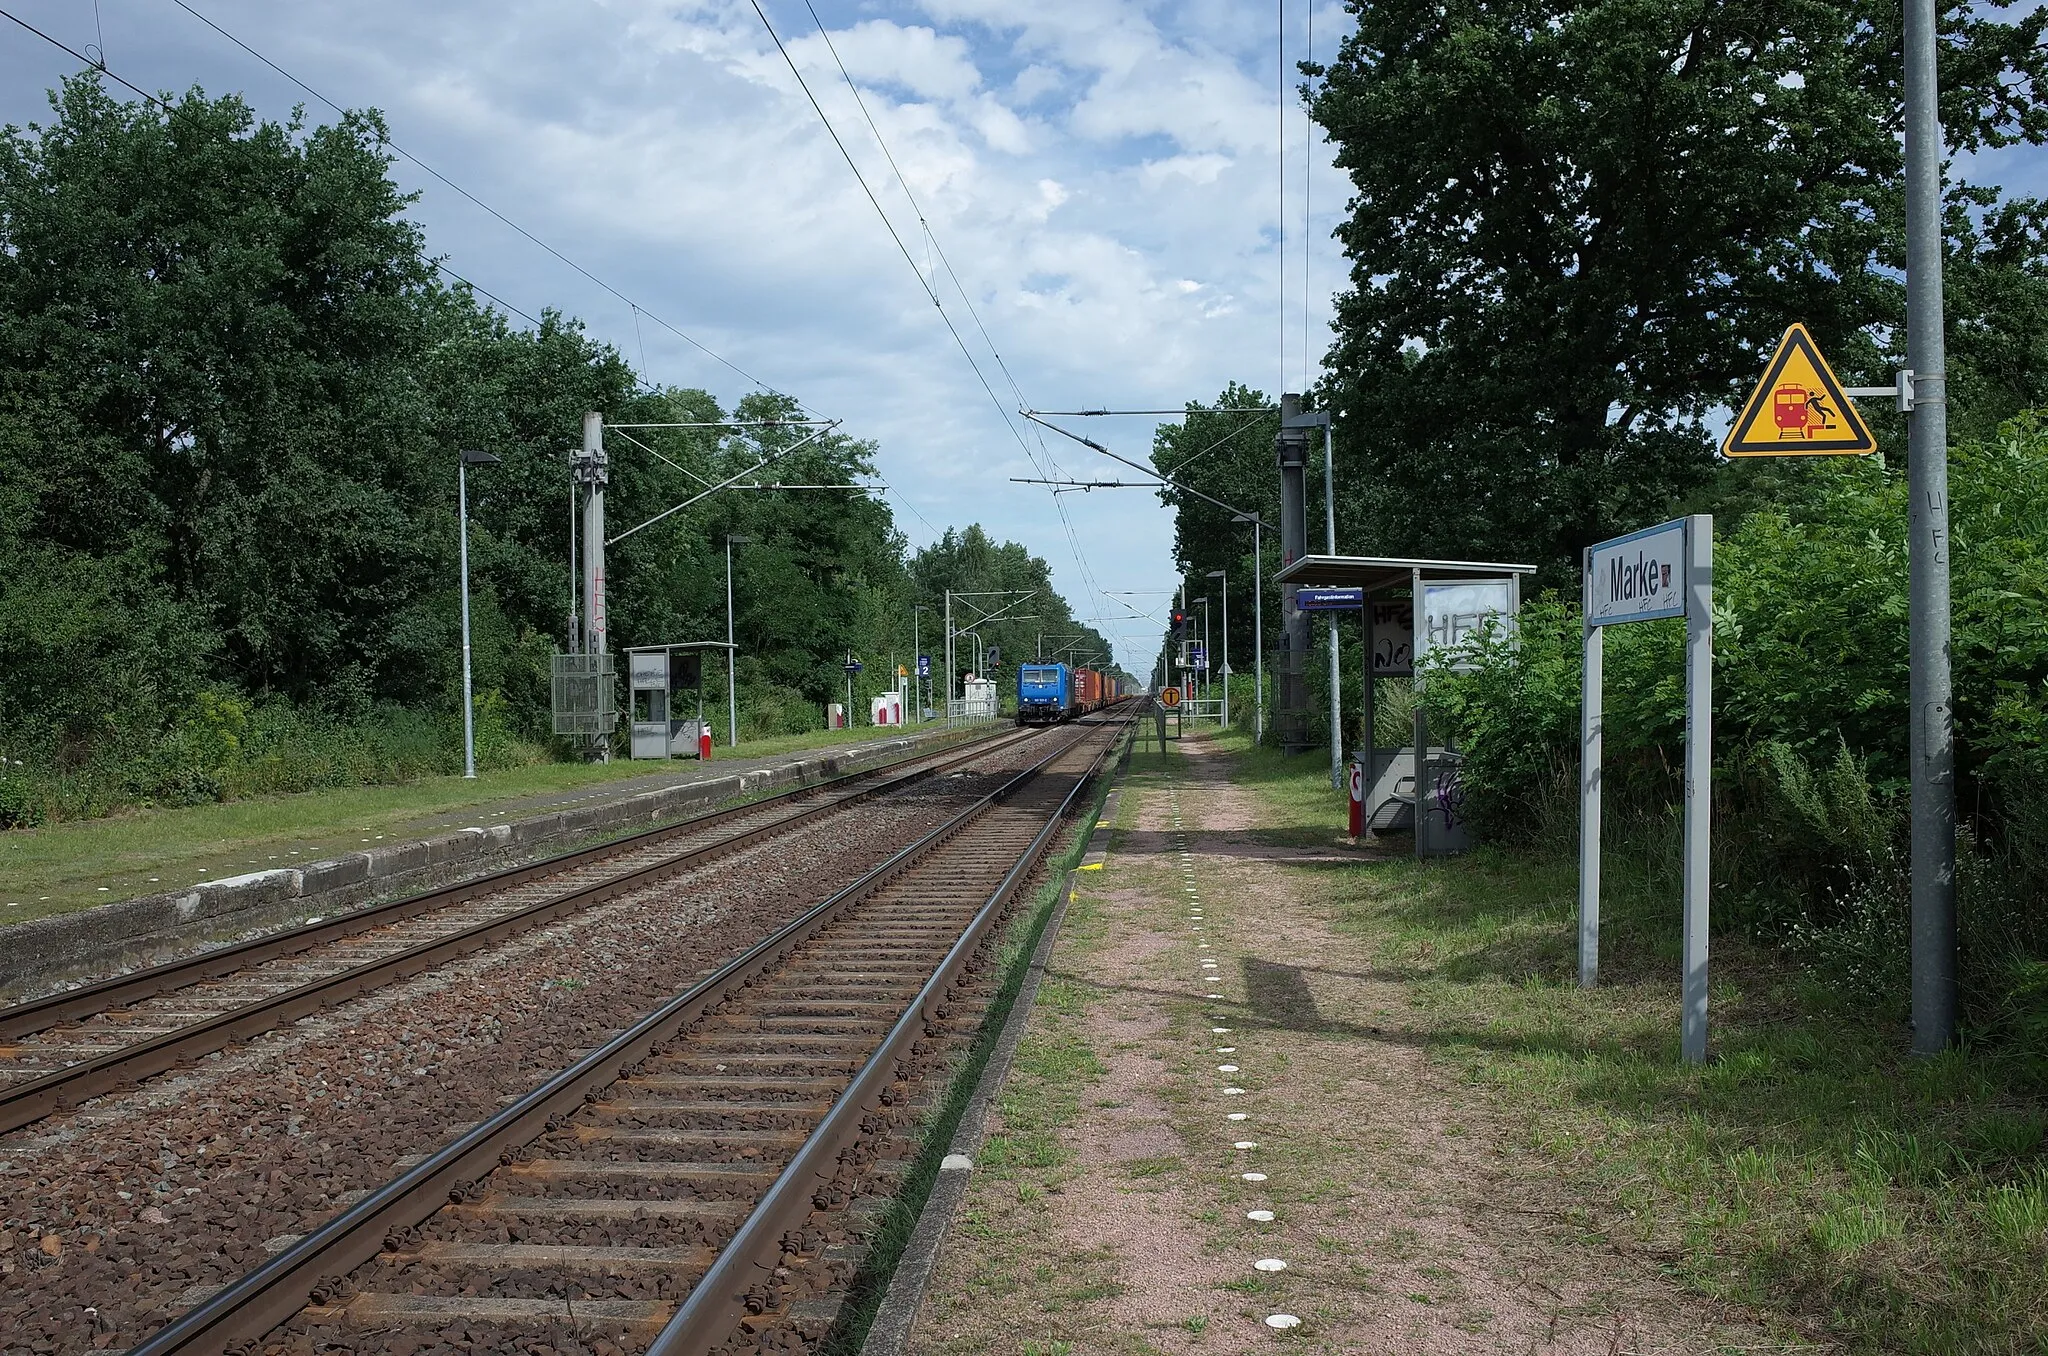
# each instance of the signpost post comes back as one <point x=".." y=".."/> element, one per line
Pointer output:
<point x="852" y="666"/>
<point x="1662" y="571"/>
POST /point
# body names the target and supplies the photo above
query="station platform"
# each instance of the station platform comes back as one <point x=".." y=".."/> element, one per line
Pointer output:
<point x="1230" y="1124"/>
<point x="85" y="899"/>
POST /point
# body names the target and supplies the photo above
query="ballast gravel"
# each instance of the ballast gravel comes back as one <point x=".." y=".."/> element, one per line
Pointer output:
<point x="116" y="1215"/>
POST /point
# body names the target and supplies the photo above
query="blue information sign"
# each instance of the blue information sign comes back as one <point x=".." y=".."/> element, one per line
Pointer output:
<point x="852" y="665"/>
<point x="1329" y="600"/>
<point x="924" y="666"/>
<point x="1198" y="658"/>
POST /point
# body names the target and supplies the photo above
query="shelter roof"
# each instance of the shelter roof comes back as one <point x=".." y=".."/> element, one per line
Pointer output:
<point x="1373" y="573"/>
<point x="683" y="645"/>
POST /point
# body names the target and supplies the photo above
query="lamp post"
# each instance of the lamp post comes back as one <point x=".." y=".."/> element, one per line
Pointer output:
<point x="732" y="687"/>
<point x="1224" y="575"/>
<point x="464" y="460"/>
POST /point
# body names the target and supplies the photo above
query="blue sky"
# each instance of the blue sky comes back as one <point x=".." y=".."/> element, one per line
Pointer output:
<point x="1100" y="173"/>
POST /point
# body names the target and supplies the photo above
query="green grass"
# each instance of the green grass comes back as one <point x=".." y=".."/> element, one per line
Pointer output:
<point x="66" y="866"/>
<point x="1811" y="1169"/>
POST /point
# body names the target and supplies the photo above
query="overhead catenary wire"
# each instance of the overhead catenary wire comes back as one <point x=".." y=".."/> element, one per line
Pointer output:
<point x="500" y="216"/>
<point x="932" y="243"/>
<point x="157" y="101"/>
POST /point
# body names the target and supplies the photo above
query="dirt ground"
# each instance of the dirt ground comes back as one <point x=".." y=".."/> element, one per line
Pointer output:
<point x="1225" y="1131"/>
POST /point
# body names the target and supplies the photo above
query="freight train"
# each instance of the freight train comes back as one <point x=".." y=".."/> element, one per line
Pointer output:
<point x="1050" y="693"/>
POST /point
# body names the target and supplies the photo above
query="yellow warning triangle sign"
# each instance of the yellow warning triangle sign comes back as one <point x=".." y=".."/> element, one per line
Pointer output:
<point x="1798" y="409"/>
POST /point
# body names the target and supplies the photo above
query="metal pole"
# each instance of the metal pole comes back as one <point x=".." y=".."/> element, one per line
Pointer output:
<point x="1589" y="782"/>
<point x="462" y="535"/>
<point x="1226" y="648"/>
<point x="949" y="654"/>
<point x="1931" y="732"/>
<point x="1259" y="630"/>
<point x="917" y="649"/>
<point x="732" y="699"/>
<point x="1336" y="672"/>
<point x="1699" y="776"/>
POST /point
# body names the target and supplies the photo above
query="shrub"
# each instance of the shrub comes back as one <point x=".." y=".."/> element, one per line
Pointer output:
<point x="1810" y="721"/>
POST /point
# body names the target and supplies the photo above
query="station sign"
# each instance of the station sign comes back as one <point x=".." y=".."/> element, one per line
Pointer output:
<point x="924" y="666"/>
<point x="852" y="665"/>
<point x="1639" y="577"/>
<point x="1329" y="600"/>
<point x="1198" y="658"/>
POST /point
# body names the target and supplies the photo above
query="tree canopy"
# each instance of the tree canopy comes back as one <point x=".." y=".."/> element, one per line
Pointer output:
<point x="1577" y="226"/>
<point x="232" y="391"/>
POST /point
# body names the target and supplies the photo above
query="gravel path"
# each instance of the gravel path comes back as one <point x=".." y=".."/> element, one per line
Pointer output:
<point x="112" y="1216"/>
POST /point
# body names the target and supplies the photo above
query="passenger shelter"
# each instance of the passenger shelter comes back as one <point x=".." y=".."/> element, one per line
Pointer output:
<point x="1457" y="598"/>
<point x="659" y="681"/>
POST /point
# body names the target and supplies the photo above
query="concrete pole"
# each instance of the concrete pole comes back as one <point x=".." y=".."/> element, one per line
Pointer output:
<point x="732" y="700"/>
<point x="575" y="620"/>
<point x="462" y="536"/>
<point x="949" y="653"/>
<point x="916" y="649"/>
<point x="1291" y="447"/>
<point x="1336" y="674"/>
<point x="594" y="641"/>
<point x="1931" y="731"/>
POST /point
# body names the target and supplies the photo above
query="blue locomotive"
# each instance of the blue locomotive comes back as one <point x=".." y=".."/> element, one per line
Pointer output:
<point x="1050" y="693"/>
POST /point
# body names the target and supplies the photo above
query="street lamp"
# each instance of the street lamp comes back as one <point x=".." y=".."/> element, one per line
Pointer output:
<point x="1224" y="575"/>
<point x="463" y="462"/>
<point x="732" y="688"/>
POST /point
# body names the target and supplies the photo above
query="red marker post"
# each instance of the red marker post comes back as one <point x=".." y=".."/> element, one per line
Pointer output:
<point x="704" y="742"/>
<point x="1357" y="800"/>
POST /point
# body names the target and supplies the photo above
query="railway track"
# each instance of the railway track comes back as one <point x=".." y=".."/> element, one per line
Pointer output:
<point x="676" y="1190"/>
<point x="69" y="1047"/>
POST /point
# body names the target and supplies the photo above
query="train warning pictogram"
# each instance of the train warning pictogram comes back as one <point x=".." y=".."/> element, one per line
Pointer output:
<point x="1798" y="409"/>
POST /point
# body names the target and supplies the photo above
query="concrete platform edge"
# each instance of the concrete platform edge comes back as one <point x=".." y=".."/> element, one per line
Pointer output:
<point x="889" y="1333"/>
<point x="44" y="953"/>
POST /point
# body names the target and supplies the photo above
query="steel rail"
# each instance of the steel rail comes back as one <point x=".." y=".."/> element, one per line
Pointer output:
<point x="25" y="1019"/>
<point x="27" y="1102"/>
<point x="749" y="1258"/>
<point x="258" y="1302"/>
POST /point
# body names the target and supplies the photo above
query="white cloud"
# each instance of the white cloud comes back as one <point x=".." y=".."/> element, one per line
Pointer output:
<point x="1099" y="172"/>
